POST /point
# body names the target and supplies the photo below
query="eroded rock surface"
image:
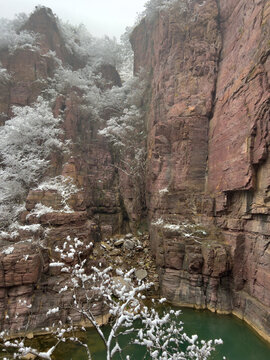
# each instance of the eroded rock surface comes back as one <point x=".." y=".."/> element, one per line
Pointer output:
<point x="207" y="178"/>
<point x="28" y="286"/>
<point x="208" y="160"/>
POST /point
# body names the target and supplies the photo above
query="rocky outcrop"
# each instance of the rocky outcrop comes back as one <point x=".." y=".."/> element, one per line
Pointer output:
<point x="208" y="153"/>
<point x="28" y="286"/>
<point x="207" y="177"/>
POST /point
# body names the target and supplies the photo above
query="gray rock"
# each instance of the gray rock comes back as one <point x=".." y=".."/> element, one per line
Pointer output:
<point x="129" y="244"/>
<point x="120" y="282"/>
<point x="139" y="245"/>
<point x="141" y="274"/>
<point x="119" y="242"/>
<point x="115" y="252"/>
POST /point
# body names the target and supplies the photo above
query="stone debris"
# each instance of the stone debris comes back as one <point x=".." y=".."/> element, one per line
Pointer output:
<point x="119" y="242"/>
<point x="141" y="274"/>
<point x="129" y="245"/>
<point x="129" y="251"/>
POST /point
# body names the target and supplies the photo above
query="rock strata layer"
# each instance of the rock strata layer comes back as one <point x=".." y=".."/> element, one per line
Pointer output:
<point x="208" y="157"/>
<point x="28" y="286"/>
<point x="207" y="178"/>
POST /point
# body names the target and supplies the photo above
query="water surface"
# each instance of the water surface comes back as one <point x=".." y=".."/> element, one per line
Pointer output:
<point x="240" y="341"/>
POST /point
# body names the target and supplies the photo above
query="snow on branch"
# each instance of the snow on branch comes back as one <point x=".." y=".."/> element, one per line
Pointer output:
<point x="12" y="38"/>
<point x="161" y="334"/>
<point x="126" y="131"/>
<point x="27" y="139"/>
<point x="64" y="187"/>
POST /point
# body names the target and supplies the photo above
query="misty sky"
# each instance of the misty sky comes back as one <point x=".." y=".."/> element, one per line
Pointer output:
<point x="101" y="17"/>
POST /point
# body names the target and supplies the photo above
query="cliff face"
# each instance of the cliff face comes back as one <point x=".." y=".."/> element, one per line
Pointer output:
<point x="208" y="161"/>
<point x="207" y="177"/>
<point x="28" y="286"/>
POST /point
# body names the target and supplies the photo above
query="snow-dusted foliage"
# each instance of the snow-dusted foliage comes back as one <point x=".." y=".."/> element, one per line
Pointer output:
<point x="122" y="296"/>
<point x="164" y="337"/>
<point x="127" y="54"/>
<point x="64" y="186"/>
<point x="152" y="7"/>
<point x="186" y="229"/>
<point x="86" y="80"/>
<point x="156" y="5"/>
<point x="126" y="131"/>
<point x="96" y="50"/>
<point x="12" y="38"/>
<point x="32" y="133"/>
<point x="4" y="75"/>
<point x="83" y="79"/>
<point x="8" y="250"/>
<point x="26" y="141"/>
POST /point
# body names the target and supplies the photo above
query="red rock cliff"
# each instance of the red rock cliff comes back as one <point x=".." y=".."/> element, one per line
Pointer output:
<point x="208" y="161"/>
<point x="28" y="286"/>
<point x="207" y="179"/>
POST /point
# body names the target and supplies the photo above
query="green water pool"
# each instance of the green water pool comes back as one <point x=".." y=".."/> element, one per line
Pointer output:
<point x="240" y="341"/>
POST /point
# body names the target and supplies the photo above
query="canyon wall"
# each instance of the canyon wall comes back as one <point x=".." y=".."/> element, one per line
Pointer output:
<point x="207" y="177"/>
<point x="208" y="160"/>
<point x="28" y="286"/>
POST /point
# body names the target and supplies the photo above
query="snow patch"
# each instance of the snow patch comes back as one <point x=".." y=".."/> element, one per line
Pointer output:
<point x="8" y="250"/>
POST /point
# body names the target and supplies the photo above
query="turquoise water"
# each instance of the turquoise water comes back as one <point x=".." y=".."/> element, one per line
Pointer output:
<point x="240" y="341"/>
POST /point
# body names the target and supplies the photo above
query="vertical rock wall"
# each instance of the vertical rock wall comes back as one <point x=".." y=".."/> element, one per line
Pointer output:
<point x="208" y="163"/>
<point x="207" y="179"/>
<point x="28" y="286"/>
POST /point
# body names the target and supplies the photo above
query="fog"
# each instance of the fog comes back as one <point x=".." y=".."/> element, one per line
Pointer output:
<point x="101" y="17"/>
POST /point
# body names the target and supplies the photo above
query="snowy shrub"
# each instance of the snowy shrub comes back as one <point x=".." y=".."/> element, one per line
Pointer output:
<point x="27" y="139"/>
<point x="40" y="210"/>
<point x="86" y="80"/>
<point x="4" y="75"/>
<point x="8" y="251"/>
<point x="94" y="50"/>
<point x="185" y="229"/>
<point x="153" y="7"/>
<point x="64" y="187"/>
<point x="126" y="131"/>
<point x="163" y="191"/>
<point x="66" y="78"/>
<point x="126" y="67"/>
<point x="12" y="38"/>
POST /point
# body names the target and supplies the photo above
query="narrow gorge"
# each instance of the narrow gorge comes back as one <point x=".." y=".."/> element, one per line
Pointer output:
<point x="203" y="192"/>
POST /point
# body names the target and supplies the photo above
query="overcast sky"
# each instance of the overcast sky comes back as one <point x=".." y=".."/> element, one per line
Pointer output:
<point x="101" y="17"/>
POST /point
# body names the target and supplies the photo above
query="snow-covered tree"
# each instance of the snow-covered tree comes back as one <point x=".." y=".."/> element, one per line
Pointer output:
<point x="123" y="299"/>
<point x="12" y="38"/>
<point x="4" y="75"/>
<point x="126" y="131"/>
<point x="94" y="51"/>
<point x="153" y="7"/>
<point x="27" y="139"/>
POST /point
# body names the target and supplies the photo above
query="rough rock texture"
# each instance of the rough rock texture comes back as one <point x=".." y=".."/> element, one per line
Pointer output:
<point x="184" y="61"/>
<point x="207" y="179"/>
<point x="208" y="160"/>
<point x="96" y="209"/>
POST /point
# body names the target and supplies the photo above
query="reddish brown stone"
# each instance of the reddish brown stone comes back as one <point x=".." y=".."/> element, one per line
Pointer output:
<point x="213" y="71"/>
